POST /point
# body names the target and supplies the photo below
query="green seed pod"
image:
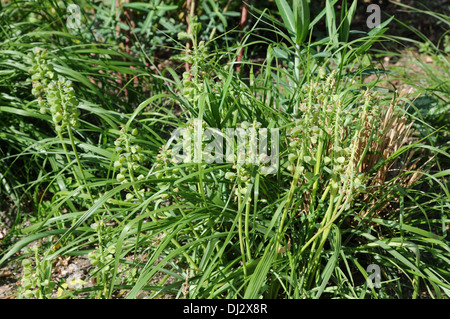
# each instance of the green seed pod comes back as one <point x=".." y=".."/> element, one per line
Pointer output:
<point x="73" y="101"/>
<point x="309" y="176"/>
<point x="135" y="157"/>
<point x="230" y="175"/>
<point x="322" y="72"/>
<point x="296" y="131"/>
<point x="334" y="185"/>
<point x="120" y="177"/>
<point x="55" y="108"/>
<point x="347" y="151"/>
<point x="26" y="263"/>
<point x="27" y="284"/>
<point x="76" y="112"/>
<point x="57" y="117"/>
<point x="117" y="164"/>
<point x="70" y="93"/>
<point x="245" y="125"/>
<point x="292" y="157"/>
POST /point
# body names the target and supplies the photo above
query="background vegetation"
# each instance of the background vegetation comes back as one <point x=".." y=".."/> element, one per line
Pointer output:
<point x="92" y="205"/>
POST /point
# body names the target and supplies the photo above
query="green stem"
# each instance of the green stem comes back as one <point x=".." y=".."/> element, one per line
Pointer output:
<point x="288" y="202"/>
<point x="241" y="237"/>
<point x="97" y="220"/>
<point x="317" y="169"/>
<point x="77" y="158"/>
<point x="190" y="225"/>
<point x="247" y="235"/>
<point x="103" y="273"/>
<point x="316" y="253"/>
<point x="154" y="219"/>
<point x="66" y="151"/>
<point x="297" y="64"/>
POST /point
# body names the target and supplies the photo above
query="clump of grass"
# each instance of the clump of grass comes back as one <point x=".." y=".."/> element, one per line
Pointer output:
<point x="344" y="195"/>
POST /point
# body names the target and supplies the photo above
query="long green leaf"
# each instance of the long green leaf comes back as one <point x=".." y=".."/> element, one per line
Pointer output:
<point x="301" y="20"/>
<point x="287" y="16"/>
<point x="259" y="277"/>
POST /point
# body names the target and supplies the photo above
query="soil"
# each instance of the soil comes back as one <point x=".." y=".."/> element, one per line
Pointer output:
<point x="65" y="269"/>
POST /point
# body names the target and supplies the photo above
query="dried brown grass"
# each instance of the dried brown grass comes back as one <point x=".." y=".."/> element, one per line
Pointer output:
<point x="387" y="135"/>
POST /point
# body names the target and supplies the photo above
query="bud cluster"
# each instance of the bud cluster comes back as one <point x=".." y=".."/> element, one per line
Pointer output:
<point x="315" y="116"/>
<point x="164" y="164"/>
<point x="243" y="169"/>
<point x="192" y="85"/>
<point x="323" y="125"/>
<point x="166" y="161"/>
<point x="129" y="159"/>
<point x="55" y="93"/>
